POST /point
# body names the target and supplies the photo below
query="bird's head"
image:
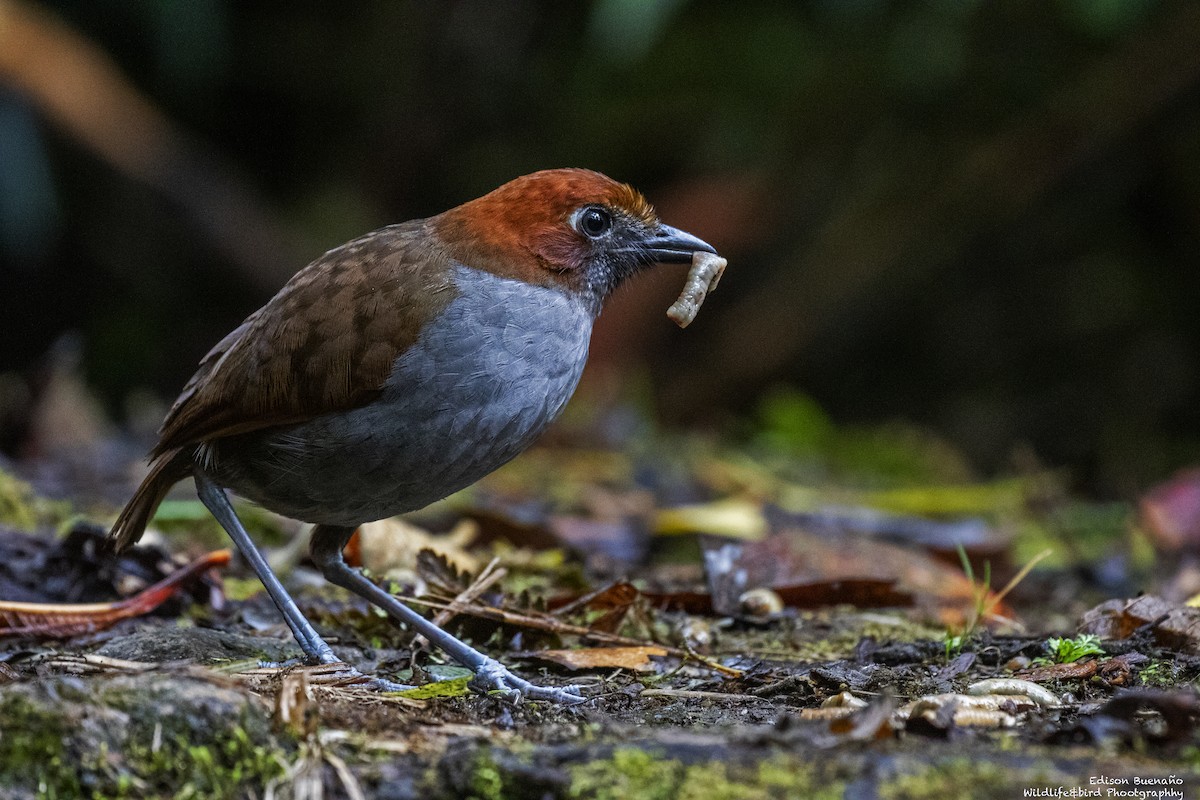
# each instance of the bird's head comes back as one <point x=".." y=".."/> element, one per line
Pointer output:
<point x="570" y="227"/>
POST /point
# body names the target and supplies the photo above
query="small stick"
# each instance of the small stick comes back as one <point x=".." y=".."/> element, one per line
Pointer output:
<point x="486" y="579"/>
<point x="694" y="694"/>
<point x="554" y="625"/>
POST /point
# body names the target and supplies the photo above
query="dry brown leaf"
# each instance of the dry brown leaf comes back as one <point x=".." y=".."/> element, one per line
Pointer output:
<point x="1118" y="670"/>
<point x="809" y="570"/>
<point x="1060" y="672"/>
<point x="1175" y="626"/>
<point x="615" y="600"/>
<point x="1117" y="619"/>
<point x="392" y="545"/>
<point x="636" y="659"/>
<point x="71" y="619"/>
<point x="872" y="722"/>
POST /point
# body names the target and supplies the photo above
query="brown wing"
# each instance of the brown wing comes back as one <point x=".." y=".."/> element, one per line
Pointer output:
<point x="325" y="343"/>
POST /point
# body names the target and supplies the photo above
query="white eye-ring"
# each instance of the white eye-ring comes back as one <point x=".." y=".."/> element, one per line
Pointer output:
<point x="593" y="221"/>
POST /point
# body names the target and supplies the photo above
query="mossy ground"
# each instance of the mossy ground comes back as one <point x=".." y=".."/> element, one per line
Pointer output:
<point x="184" y="726"/>
<point x="118" y="738"/>
<point x="195" y="732"/>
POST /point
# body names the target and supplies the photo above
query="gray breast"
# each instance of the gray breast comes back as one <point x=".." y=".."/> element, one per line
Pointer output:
<point x="480" y="385"/>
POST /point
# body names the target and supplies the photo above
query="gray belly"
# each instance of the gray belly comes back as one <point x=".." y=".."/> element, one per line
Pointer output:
<point x="480" y="385"/>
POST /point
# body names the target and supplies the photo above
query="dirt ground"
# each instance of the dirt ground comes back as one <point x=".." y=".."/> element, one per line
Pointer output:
<point x="772" y="655"/>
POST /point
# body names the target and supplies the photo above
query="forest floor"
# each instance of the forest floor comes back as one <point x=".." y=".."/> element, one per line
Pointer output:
<point x="741" y="628"/>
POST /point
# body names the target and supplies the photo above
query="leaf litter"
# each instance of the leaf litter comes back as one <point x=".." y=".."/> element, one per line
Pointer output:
<point x="704" y="593"/>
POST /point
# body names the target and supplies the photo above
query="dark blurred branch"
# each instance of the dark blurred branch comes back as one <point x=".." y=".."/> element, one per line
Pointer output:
<point x="76" y="86"/>
<point x="874" y="237"/>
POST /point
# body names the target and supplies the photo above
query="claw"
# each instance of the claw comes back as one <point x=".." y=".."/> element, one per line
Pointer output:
<point x="336" y="673"/>
<point x="349" y="674"/>
<point x="494" y="676"/>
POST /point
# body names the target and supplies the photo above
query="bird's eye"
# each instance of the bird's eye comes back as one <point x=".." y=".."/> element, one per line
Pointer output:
<point x="594" y="222"/>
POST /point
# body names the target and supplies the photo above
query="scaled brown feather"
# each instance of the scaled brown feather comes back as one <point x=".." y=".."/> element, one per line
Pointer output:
<point x="300" y="355"/>
<point x="278" y="367"/>
<point x="167" y="469"/>
<point x="303" y="355"/>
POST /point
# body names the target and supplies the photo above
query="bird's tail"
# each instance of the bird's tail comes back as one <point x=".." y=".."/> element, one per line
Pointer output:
<point x="166" y="470"/>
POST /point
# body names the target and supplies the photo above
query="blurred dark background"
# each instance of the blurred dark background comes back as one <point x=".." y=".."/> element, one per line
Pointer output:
<point x="977" y="218"/>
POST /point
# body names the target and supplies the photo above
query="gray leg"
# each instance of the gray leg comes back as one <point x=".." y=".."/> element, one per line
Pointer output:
<point x="326" y="548"/>
<point x="311" y="643"/>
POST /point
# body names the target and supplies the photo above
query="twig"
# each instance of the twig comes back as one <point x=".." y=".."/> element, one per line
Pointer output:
<point x="698" y="695"/>
<point x="558" y="627"/>
<point x="486" y="579"/>
<point x="349" y="782"/>
<point x="998" y="598"/>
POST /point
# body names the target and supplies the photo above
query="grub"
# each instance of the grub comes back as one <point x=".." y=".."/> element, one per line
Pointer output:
<point x="703" y="276"/>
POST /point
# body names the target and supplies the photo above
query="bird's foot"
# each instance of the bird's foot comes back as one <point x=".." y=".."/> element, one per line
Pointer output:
<point x="494" y="676"/>
<point x="384" y="685"/>
<point x="291" y="662"/>
<point x="349" y="675"/>
<point x="335" y="673"/>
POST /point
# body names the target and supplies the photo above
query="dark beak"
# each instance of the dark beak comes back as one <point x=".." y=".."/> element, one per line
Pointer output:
<point x="669" y="245"/>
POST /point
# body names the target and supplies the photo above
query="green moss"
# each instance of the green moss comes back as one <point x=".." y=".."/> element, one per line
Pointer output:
<point x="491" y="774"/>
<point x="124" y="740"/>
<point x="793" y="425"/>
<point x="181" y="745"/>
<point x="22" y="509"/>
<point x="1161" y="673"/>
<point x="775" y="779"/>
<point x="33" y="750"/>
<point x="962" y="777"/>
<point x="487" y="780"/>
<point x="1093" y="530"/>
<point x="239" y="589"/>
<point x="632" y="772"/>
<point x="456" y="687"/>
<point x="179" y="768"/>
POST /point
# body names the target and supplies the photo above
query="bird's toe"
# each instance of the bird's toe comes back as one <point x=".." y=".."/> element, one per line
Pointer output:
<point x="494" y="676"/>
